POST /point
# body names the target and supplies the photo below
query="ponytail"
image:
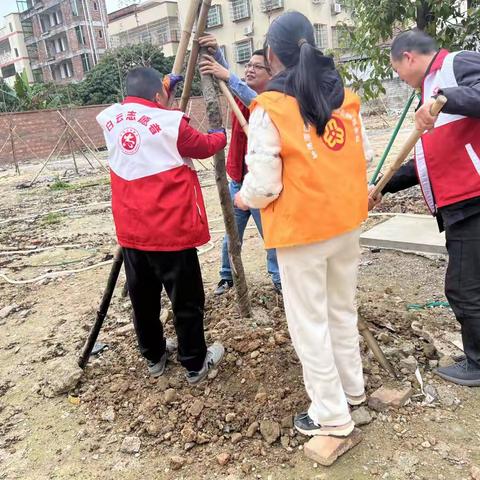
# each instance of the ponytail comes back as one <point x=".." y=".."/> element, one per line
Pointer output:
<point x="310" y="76"/>
<point x="311" y="82"/>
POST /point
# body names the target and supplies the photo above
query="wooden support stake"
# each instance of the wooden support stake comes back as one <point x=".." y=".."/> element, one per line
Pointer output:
<point x="50" y="156"/>
<point x="102" y="311"/>
<point x="184" y="41"/>
<point x="192" y="59"/>
<point x="17" y="168"/>
<point x="233" y="105"/>
<point x="234" y="246"/>
<point x="413" y="138"/>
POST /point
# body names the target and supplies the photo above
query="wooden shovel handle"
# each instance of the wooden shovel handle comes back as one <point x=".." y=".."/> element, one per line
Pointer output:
<point x="233" y="105"/>
<point x="413" y="138"/>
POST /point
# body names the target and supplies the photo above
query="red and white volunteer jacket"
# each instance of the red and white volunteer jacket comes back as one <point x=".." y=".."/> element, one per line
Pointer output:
<point x="157" y="202"/>
<point x="448" y="157"/>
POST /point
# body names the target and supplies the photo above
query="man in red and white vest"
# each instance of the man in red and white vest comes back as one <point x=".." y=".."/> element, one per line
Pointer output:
<point x="160" y="218"/>
<point x="447" y="167"/>
<point x="257" y="76"/>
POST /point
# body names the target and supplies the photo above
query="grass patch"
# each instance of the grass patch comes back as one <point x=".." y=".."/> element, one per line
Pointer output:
<point x="60" y="184"/>
<point x="52" y="218"/>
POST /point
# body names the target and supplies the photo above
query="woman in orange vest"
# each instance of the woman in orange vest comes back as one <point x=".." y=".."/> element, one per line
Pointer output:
<point x="307" y="172"/>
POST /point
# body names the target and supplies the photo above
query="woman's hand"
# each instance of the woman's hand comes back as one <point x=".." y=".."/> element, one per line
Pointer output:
<point x="239" y="203"/>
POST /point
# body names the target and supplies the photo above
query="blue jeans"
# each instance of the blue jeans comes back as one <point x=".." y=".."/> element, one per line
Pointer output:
<point x="241" y="218"/>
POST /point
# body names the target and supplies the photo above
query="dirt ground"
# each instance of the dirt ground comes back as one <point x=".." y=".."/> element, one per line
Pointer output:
<point x="80" y="434"/>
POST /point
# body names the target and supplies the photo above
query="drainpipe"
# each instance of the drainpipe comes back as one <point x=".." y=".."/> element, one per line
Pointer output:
<point x="91" y="33"/>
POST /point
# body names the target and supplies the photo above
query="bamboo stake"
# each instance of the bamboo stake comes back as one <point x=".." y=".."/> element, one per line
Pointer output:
<point x="233" y="105"/>
<point x="12" y="140"/>
<point x="413" y="138"/>
<point x="185" y="37"/>
<point x="192" y="59"/>
<point x="184" y="41"/>
<point x="83" y="142"/>
<point x="50" y="156"/>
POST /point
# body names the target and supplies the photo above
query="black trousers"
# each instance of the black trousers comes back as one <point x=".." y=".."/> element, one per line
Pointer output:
<point x="462" y="282"/>
<point x="179" y="272"/>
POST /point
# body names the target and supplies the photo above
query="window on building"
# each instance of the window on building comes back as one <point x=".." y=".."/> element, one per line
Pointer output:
<point x="66" y="70"/>
<point x="74" y="7"/>
<point x="38" y="75"/>
<point x="100" y="34"/>
<point x="340" y="37"/>
<point x="55" y="18"/>
<point x="87" y="66"/>
<point x="10" y="26"/>
<point x="59" y="44"/>
<point x="243" y="51"/>
<point x="8" y="71"/>
<point x="321" y="36"/>
<point x="16" y="52"/>
<point x="214" y="16"/>
<point x="80" y="35"/>
<point x="5" y="48"/>
<point x="95" y="6"/>
<point x="239" y="9"/>
<point x="269" y="5"/>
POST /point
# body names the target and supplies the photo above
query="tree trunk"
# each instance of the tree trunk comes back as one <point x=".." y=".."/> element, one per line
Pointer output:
<point x="234" y="247"/>
<point x="425" y="16"/>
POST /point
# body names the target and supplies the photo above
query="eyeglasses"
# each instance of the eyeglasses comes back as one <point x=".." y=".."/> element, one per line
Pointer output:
<point x="255" y="66"/>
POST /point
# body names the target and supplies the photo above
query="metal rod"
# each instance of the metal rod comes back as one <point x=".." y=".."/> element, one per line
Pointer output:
<point x="392" y="138"/>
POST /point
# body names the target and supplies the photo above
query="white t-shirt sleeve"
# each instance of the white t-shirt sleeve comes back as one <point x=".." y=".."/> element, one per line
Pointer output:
<point x="263" y="182"/>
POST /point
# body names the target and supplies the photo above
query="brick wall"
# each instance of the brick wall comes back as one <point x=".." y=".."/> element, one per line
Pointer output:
<point x="396" y="96"/>
<point x="40" y="130"/>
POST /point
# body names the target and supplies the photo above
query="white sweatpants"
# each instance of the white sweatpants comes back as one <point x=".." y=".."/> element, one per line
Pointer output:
<point x="319" y="284"/>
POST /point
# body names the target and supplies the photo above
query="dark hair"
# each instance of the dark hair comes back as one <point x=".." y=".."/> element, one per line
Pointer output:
<point x="260" y="52"/>
<point x="144" y="82"/>
<point x="311" y="76"/>
<point x="414" y="40"/>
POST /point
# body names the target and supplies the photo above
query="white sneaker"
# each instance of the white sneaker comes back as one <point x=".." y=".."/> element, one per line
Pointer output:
<point x="213" y="357"/>
<point x="355" y="400"/>
<point x="157" y="369"/>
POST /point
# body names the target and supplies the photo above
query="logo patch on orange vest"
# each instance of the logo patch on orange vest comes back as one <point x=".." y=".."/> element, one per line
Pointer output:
<point x="335" y="134"/>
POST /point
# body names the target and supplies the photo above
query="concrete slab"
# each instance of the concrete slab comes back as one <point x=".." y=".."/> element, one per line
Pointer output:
<point x="418" y="233"/>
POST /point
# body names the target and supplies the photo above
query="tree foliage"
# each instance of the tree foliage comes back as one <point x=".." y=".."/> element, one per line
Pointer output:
<point x="104" y="84"/>
<point x="24" y="96"/>
<point x="378" y="21"/>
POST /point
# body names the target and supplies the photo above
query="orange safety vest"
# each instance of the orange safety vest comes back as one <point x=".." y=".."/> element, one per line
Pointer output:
<point x="324" y="177"/>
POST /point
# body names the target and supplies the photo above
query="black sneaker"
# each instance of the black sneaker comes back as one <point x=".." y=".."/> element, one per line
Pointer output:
<point x="278" y="288"/>
<point x="462" y="373"/>
<point x="223" y="286"/>
<point x="304" y="424"/>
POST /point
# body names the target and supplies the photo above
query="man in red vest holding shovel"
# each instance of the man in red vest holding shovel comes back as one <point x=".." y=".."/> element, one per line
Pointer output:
<point x="447" y="167"/>
<point x="257" y="75"/>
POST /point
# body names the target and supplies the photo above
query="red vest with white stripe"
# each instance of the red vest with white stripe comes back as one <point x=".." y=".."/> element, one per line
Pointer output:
<point x="157" y="202"/>
<point x="447" y="157"/>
